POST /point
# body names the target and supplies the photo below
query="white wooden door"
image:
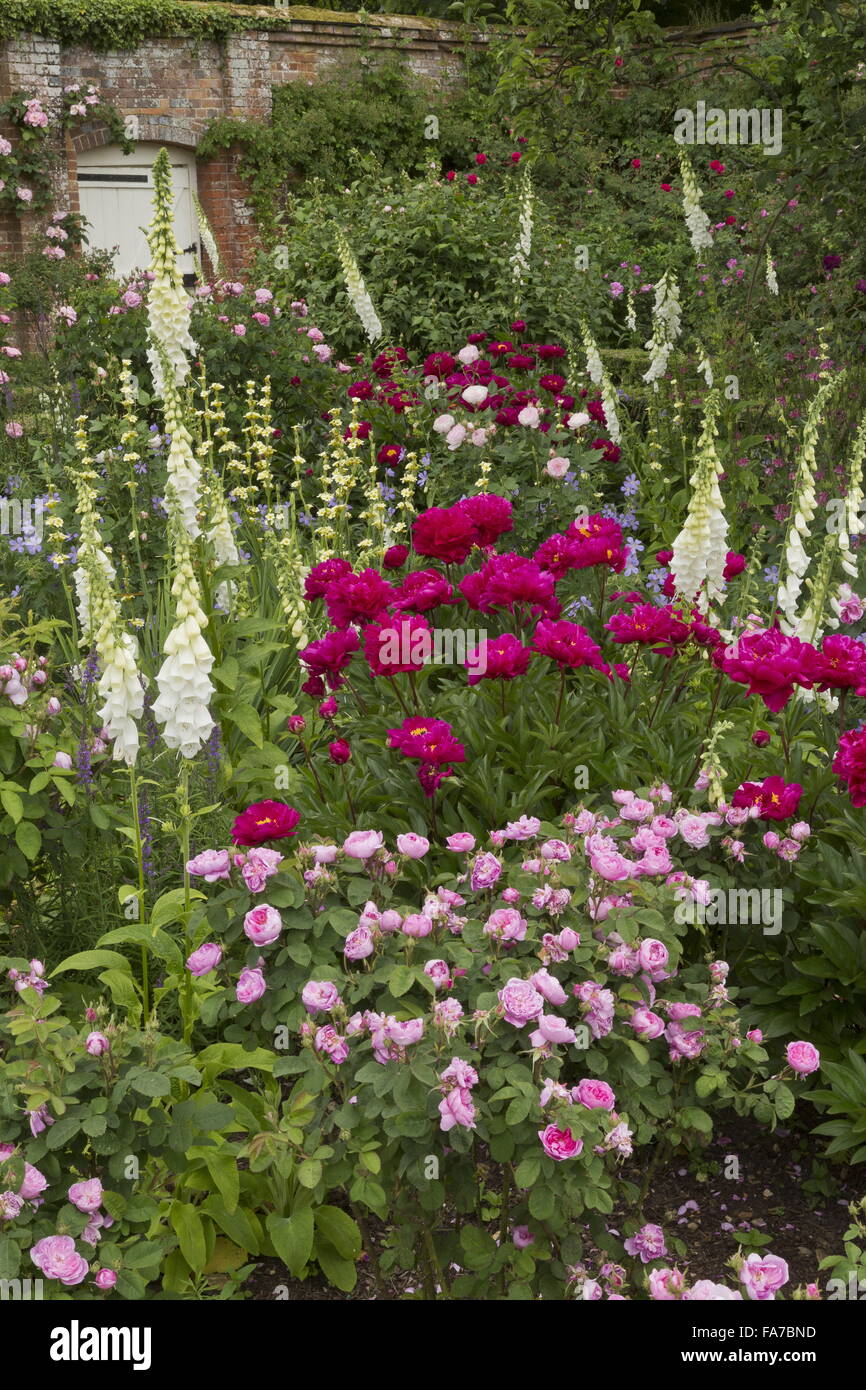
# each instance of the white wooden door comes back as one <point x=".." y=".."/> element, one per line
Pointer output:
<point x="116" y="196"/>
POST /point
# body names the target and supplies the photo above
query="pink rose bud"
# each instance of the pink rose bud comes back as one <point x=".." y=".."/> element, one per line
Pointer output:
<point x="755" y="1035"/>
<point x="105" y="1279"/>
<point x="53" y="706"/>
<point x="63" y="760"/>
<point x="96" y="1044"/>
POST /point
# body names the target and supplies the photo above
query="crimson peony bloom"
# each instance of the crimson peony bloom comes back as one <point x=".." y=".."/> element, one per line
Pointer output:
<point x="547" y="351"/>
<point x="438" y="364"/>
<point x="395" y="557"/>
<point x="775" y="798"/>
<point x="556" y="554"/>
<point x="358" y="598"/>
<point x="404" y="643"/>
<point x="265" y="820"/>
<point x="322" y="576"/>
<point x="339" y="751"/>
<point x="568" y="644"/>
<point x="850" y="764"/>
<point x="428" y="741"/>
<point x="610" y="452"/>
<point x="499" y="658"/>
<point x="839" y="665"/>
<point x="328" y="657"/>
<point x="770" y="663"/>
<point x="423" y="590"/>
<point x="734" y="565"/>
<point x="490" y="515"/>
<point x="648" y="624"/>
<point x="390" y="453"/>
<point x="506" y="580"/>
<point x="597" y="541"/>
<point x="444" y="533"/>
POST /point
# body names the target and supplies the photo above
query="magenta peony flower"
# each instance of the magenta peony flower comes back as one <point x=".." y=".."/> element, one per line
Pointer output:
<point x="775" y="798"/>
<point x="330" y="655"/>
<point x="427" y="740"/>
<point x="568" y="644"/>
<point x="839" y="665"/>
<point x="769" y="663"/>
<point x="265" y="820"/>
<point x="498" y="658"/>
<point x="357" y="598"/>
<point x="850" y="764"/>
<point x="446" y="534"/>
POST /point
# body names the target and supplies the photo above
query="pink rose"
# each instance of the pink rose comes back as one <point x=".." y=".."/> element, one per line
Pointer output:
<point x="802" y="1058"/>
<point x="653" y="957"/>
<point x="359" y="944"/>
<point x="417" y="924"/>
<point x="250" y="987"/>
<point x="361" y="844"/>
<point x="520" y="1001"/>
<point x="439" y="972"/>
<point x="559" y="1144"/>
<point x="320" y="995"/>
<point x="552" y="1030"/>
<point x="105" y="1279"/>
<point x="646" y="1024"/>
<point x="610" y="865"/>
<point x="457" y="1108"/>
<point x="263" y="925"/>
<point x="505" y="924"/>
<point x="485" y="871"/>
<point x="548" y="986"/>
<point x="211" y="865"/>
<point x="205" y="959"/>
<point x="96" y="1044"/>
<point x="412" y="845"/>
<point x="763" y="1276"/>
<point x="595" y="1095"/>
<point x="461" y="843"/>
<point x="58" y="1258"/>
<point x="86" y="1196"/>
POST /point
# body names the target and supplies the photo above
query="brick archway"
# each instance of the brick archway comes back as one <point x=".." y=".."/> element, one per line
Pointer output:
<point x="151" y="129"/>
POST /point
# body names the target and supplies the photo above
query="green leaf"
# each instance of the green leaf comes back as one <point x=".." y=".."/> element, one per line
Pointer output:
<point x="340" y="1231"/>
<point x="28" y="839"/>
<point x="90" y="960"/>
<point x="189" y="1229"/>
<point x="248" y="721"/>
<point x="151" y="1083"/>
<point x="697" y="1119"/>
<point x="309" y="1173"/>
<point x="402" y="977"/>
<point x="11" y="802"/>
<point x="292" y="1238"/>
<point x="339" y="1272"/>
<point x="223" y="1168"/>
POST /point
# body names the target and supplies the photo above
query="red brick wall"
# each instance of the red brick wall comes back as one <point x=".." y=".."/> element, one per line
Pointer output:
<point x="176" y="87"/>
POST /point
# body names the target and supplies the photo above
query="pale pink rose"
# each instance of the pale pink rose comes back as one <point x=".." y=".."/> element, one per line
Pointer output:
<point x="548" y="986"/>
<point x="205" y="959"/>
<point x="552" y="1030"/>
<point x="86" y="1196"/>
<point x="521" y="1002"/>
<point x="263" y="925"/>
<point x="390" y="921"/>
<point x="439" y="972"/>
<point x="259" y="866"/>
<point x="486" y="869"/>
<point x="105" y="1279"/>
<point x="412" y="845"/>
<point x="653" y="956"/>
<point x="801" y="831"/>
<point x="461" y="843"/>
<point x="359" y="944"/>
<point x="320" y="996"/>
<point x="556" y="850"/>
<point x="361" y="844"/>
<point x="250" y="986"/>
<point x="763" y="1276"/>
<point x="557" y="467"/>
<point x="96" y="1044"/>
<point x="211" y="865"/>
<point x="666" y="1284"/>
<point x="755" y="1035"/>
<point x="705" y="1291"/>
<point x="694" y="832"/>
<point x="34" y="1183"/>
<point x="522" y="1237"/>
<point x="57" y="1258"/>
<point x="417" y="924"/>
<point x="646" y="1024"/>
<point x="457" y="1108"/>
<point x="595" y="1095"/>
<point x="803" y="1058"/>
<point x="611" y="865"/>
<point x="559" y="1144"/>
<point x="505" y="924"/>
